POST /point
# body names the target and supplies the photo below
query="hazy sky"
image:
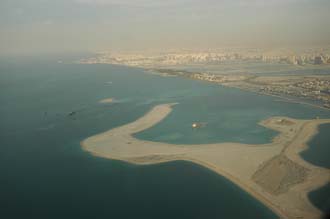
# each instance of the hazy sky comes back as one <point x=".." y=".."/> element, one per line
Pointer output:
<point x="42" y="26"/>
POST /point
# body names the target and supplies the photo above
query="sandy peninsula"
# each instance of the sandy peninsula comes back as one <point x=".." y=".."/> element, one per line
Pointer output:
<point x="274" y="173"/>
<point x="107" y="100"/>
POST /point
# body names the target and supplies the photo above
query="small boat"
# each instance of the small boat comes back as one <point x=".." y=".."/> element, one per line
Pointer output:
<point x="196" y="125"/>
<point x="72" y="113"/>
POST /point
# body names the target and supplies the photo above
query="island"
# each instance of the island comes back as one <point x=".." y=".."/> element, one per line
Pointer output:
<point x="107" y="100"/>
<point x="274" y="173"/>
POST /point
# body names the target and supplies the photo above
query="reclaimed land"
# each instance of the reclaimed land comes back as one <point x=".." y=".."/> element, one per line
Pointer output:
<point x="274" y="173"/>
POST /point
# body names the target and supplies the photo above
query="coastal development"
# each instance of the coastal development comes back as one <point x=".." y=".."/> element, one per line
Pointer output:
<point x="274" y="173"/>
<point x="303" y="57"/>
<point x="313" y="88"/>
<point x="310" y="88"/>
<point x="153" y="109"/>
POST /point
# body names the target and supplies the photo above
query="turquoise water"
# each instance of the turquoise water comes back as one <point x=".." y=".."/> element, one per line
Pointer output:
<point x="45" y="174"/>
<point x="229" y="115"/>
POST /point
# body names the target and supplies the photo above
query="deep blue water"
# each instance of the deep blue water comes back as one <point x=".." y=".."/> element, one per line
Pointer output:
<point x="45" y="174"/>
<point x="319" y="147"/>
<point x="318" y="154"/>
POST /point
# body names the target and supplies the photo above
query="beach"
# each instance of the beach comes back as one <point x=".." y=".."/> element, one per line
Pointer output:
<point x="261" y="169"/>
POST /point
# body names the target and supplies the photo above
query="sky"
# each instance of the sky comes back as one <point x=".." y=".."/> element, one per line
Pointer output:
<point x="72" y="26"/>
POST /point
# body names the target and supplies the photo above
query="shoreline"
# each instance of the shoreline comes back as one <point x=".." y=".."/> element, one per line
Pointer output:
<point x="288" y="99"/>
<point x="119" y="144"/>
<point x="283" y="98"/>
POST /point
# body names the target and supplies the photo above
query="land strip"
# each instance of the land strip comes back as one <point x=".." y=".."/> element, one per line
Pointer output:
<point x="289" y="178"/>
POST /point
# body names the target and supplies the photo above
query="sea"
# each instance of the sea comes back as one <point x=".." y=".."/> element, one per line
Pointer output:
<point x="47" y="107"/>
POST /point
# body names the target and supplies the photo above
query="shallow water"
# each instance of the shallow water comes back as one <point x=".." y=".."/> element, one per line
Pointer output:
<point x="227" y="115"/>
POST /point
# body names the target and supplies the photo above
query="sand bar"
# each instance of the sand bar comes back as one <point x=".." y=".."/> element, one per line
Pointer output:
<point x="288" y="177"/>
<point x="107" y="100"/>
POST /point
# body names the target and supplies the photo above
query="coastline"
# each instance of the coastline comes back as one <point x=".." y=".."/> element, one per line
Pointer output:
<point x="119" y="144"/>
<point x="238" y="85"/>
<point x="283" y="98"/>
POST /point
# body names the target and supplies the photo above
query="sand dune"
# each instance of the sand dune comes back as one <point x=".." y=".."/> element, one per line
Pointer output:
<point x="274" y="173"/>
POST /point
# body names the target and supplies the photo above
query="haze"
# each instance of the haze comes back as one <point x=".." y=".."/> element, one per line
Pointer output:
<point x="45" y="26"/>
